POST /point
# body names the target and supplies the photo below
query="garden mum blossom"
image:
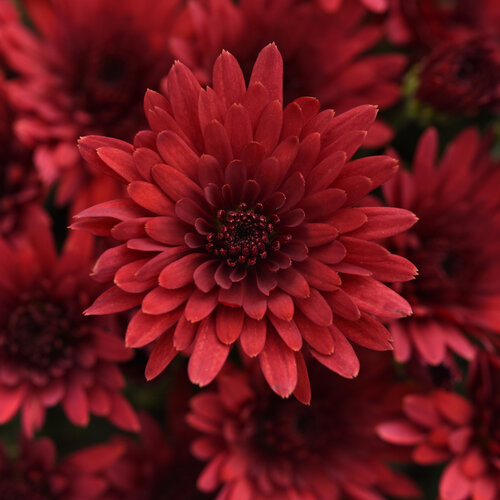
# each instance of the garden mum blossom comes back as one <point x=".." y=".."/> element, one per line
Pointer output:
<point x="259" y="447"/>
<point x="49" y="353"/>
<point x="455" y="246"/>
<point x="84" y="70"/>
<point x="443" y="426"/>
<point x="241" y="225"/>
<point x="38" y="474"/>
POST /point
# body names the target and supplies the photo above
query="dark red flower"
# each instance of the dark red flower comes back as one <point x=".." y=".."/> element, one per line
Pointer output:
<point x="262" y="448"/>
<point x="430" y="22"/>
<point x="455" y="246"/>
<point x="84" y="71"/>
<point x="462" y="76"/>
<point x="50" y="353"/>
<point x="36" y="474"/>
<point x="149" y="469"/>
<point x="326" y="55"/>
<point x="446" y="427"/>
<point x="241" y="224"/>
<point x="20" y="186"/>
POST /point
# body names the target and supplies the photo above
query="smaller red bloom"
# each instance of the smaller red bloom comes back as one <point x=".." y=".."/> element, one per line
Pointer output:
<point x="455" y="246"/>
<point x="262" y="448"/>
<point x="21" y="188"/>
<point x="49" y="352"/>
<point x="462" y="76"/>
<point x="83" y="70"/>
<point x="443" y="426"/>
<point x="149" y="469"/>
<point x="36" y="474"/>
<point x="427" y="23"/>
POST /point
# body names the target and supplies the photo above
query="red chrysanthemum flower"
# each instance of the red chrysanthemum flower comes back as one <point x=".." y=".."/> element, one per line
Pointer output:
<point x="36" y="474"/>
<point x="462" y="76"/>
<point x="430" y="22"/>
<point x="241" y="224"/>
<point x="326" y="55"/>
<point x="21" y="188"/>
<point x="444" y="426"/>
<point x="50" y="353"/>
<point x="455" y="246"/>
<point x="262" y="448"/>
<point x="83" y="72"/>
<point x="149" y="469"/>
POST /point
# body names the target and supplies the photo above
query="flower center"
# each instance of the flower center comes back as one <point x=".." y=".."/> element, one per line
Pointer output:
<point x="244" y="235"/>
<point x="39" y="336"/>
<point x="19" y="485"/>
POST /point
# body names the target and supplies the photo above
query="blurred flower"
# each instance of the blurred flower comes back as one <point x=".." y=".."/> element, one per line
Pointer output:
<point x="326" y="55"/>
<point x="444" y="426"/>
<point x="149" y="470"/>
<point x="240" y="225"/>
<point x="37" y="474"/>
<point x="462" y="76"/>
<point x="455" y="246"/>
<point x="430" y="22"/>
<point x="50" y="353"/>
<point x="20" y="186"/>
<point x="260" y="447"/>
<point x="84" y="71"/>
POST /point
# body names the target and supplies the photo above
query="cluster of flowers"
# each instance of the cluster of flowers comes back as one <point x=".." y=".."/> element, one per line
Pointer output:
<point x="267" y="220"/>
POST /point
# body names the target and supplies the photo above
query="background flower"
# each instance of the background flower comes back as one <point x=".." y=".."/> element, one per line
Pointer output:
<point x="454" y="245"/>
<point x="49" y="353"/>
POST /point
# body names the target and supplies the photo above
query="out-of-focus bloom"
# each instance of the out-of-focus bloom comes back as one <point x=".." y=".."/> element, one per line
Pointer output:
<point x="149" y="470"/>
<point x="430" y="22"/>
<point x="334" y="5"/>
<point x="260" y="447"/>
<point x="49" y="352"/>
<point x="326" y="55"/>
<point x="21" y="188"/>
<point x="444" y="426"/>
<point x="242" y="224"/>
<point x="84" y="71"/>
<point x="462" y="76"/>
<point x="455" y="246"/>
<point x="37" y="474"/>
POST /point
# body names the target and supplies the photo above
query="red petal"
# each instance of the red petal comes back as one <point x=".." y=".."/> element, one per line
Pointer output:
<point x="400" y="432"/>
<point x="278" y="365"/>
<point x="288" y="332"/>
<point x="174" y="183"/>
<point x="316" y="308"/>
<point x="209" y="354"/>
<point x="76" y="405"/>
<point x="200" y="305"/>
<point x="144" y="328"/>
<point x="384" y="222"/>
<point x="162" y="354"/>
<point x="281" y="305"/>
<point x="229" y="323"/>
<point x="253" y="336"/>
<point x="454" y="485"/>
<point x="303" y="388"/>
<point x="11" y="399"/>
<point x="180" y="272"/>
<point x="184" y="333"/>
<point x="228" y="80"/>
<point x="293" y="283"/>
<point x="367" y="332"/>
<point x="150" y="197"/>
<point x="161" y="301"/>
<point x="343" y="360"/>
<point x="268" y="70"/>
<point x="318" y="337"/>
<point x="112" y="301"/>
